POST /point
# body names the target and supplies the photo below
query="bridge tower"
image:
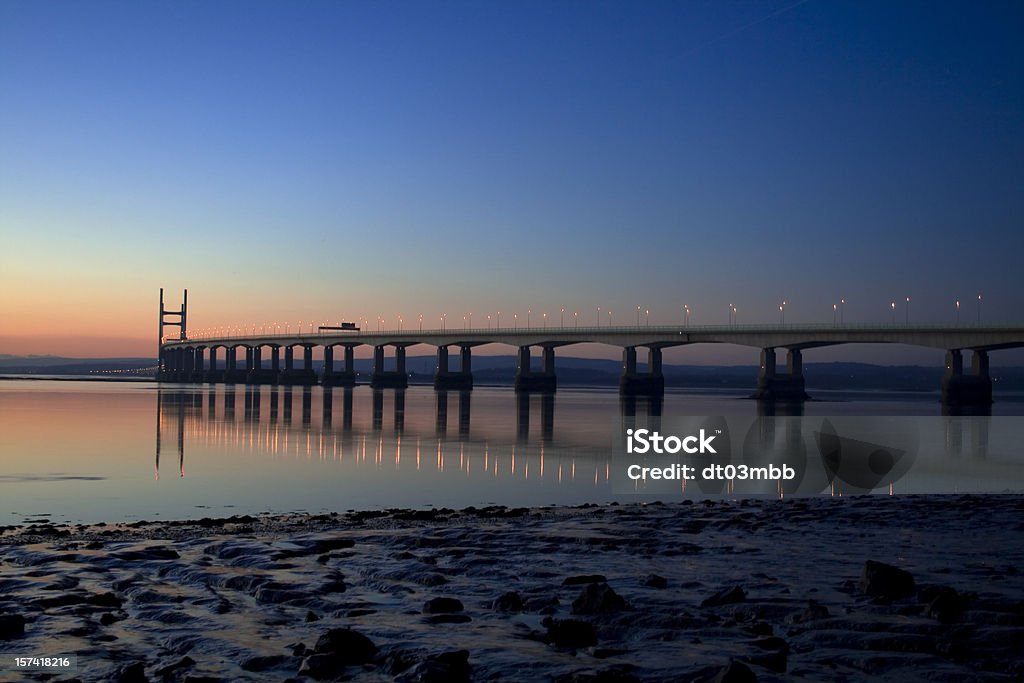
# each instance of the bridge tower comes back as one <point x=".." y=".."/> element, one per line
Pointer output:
<point x="171" y="363"/>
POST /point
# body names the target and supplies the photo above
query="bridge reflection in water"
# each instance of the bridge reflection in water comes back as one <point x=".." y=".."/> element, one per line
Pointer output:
<point x="373" y="426"/>
<point x="513" y="436"/>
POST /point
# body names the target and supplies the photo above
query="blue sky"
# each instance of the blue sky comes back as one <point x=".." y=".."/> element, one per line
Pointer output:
<point x="316" y="159"/>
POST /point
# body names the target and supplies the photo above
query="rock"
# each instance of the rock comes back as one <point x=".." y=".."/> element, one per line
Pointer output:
<point x="726" y="596"/>
<point x="264" y="663"/>
<point x="584" y="579"/>
<point x="880" y="580"/>
<point x="321" y="667"/>
<point x="311" y="617"/>
<point x="655" y="581"/>
<point x="735" y="672"/>
<point x="105" y="600"/>
<point x="442" y="606"/>
<point x="277" y="594"/>
<point x="131" y="673"/>
<point x="446" y="667"/>
<point x="571" y="633"/>
<point x="350" y="646"/>
<point x="598" y="598"/>
<point x="946" y="605"/>
<point x="336" y="585"/>
<point x="107" y="619"/>
<point x="147" y="554"/>
<point x="508" y="602"/>
<point x="11" y="626"/>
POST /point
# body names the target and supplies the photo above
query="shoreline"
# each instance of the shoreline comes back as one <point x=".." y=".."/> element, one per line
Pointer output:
<point x="632" y="592"/>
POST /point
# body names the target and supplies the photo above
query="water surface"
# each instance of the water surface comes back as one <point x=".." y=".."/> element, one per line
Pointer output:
<point x="111" y="451"/>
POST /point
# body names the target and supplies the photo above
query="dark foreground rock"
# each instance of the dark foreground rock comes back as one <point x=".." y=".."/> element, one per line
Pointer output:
<point x="880" y="580"/>
<point x="346" y="646"/>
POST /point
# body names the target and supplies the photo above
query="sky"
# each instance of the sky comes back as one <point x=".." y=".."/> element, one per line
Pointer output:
<point x="363" y="160"/>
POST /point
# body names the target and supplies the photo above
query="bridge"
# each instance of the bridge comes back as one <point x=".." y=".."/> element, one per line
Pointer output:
<point x="188" y="359"/>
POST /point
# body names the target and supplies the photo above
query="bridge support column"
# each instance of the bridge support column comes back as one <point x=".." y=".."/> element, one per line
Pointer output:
<point x="198" y="371"/>
<point x="212" y="374"/>
<point x="445" y="379"/>
<point x="781" y="386"/>
<point x="275" y="359"/>
<point x="297" y="376"/>
<point x="650" y="383"/>
<point x="187" y="365"/>
<point x="346" y="376"/>
<point x="232" y="374"/>
<point x="959" y="389"/>
<point x="393" y="379"/>
<point x="259" y="374"/>
<point x="544" y="381"/>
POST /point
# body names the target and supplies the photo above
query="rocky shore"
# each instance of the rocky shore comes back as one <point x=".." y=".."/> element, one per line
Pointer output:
<point x="906" y="588"/>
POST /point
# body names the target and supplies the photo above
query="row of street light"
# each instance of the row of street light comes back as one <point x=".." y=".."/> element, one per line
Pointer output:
<point x="275" y="328"/>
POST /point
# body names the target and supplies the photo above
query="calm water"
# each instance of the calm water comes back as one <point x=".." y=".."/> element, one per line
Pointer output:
<point x="112" y="451"/>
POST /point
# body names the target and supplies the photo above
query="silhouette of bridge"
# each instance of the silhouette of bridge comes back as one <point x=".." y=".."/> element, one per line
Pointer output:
<point x="188" y="359"/>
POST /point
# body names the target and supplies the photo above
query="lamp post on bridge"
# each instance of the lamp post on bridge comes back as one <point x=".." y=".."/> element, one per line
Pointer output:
<point x="638" y="316"/>
<point x="686" y="315"/>
<point x="958" y="311"/>
<point x="842" y="311"/>
<point x="979" y="309"/>
<point x="599" y="316"/>
<point x="561" y="318"/>
<point x="893" y="305"/>
<point x="834" y="307"/>
<point x="907" y="321"/>
<point x="648" y="317"/>
<point x="576" y="319"/>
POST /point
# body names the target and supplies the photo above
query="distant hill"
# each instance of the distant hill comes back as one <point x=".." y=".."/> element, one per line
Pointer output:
<point x="500" y="370"/>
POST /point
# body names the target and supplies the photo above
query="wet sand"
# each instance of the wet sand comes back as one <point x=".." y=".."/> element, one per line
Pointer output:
<point x="906" y="588"/>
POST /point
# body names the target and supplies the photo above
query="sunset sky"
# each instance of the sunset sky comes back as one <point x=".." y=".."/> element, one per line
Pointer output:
<point x="319" y="160"/>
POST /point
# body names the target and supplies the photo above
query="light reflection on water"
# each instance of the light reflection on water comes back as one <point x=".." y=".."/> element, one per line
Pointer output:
<point x="89" y="451"/>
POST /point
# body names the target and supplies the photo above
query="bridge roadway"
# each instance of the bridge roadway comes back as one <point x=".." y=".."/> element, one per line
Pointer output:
<point x="196" y="359"/>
